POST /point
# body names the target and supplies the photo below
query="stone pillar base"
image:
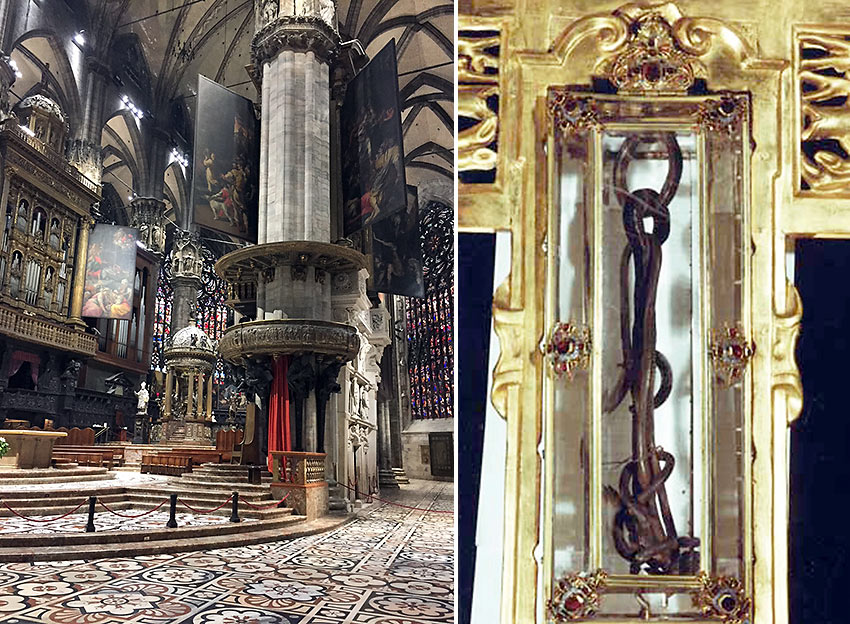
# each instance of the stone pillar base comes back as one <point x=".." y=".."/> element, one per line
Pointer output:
<point x="387" y="479"/>
<point x="309" y="500"/>
<point x="400" y="476"/>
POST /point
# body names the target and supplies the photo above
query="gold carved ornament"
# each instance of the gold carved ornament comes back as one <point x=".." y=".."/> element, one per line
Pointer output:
<point x="822" y="79"/>
<point x="786" y="375"/>
<point x="478" y="94"/>
<point x="576" y="596"/>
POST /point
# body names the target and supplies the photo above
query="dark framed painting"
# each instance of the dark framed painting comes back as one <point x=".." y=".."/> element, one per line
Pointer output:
<point x="226" y="162"/>
<point x="373" y="182"/>
<point x="396" y="249"/>
<point x="110" y="272"/>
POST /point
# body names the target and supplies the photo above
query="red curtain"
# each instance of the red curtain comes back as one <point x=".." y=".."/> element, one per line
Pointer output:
<point x="279" y="435"/>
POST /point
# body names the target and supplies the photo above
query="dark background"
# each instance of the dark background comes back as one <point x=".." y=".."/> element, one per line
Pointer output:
<point x="819" y="533"/>
<point x="475" y="302"/>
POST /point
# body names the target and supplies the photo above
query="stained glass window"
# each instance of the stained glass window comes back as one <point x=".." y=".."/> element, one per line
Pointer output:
<point x="211" y="311"/>
<point x="162" y="314"/>
<point x="430" y="321"/>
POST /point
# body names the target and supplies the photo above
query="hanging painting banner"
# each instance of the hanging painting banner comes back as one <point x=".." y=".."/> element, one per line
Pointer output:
<point x="373" y="183"/>
<point x="226" y="162"/>
<point x="396" y="250"/>
<point x="110" y="272"/>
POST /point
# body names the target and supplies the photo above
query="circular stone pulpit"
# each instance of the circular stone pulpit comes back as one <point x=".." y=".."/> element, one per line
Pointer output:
<point x="29" y="449"/>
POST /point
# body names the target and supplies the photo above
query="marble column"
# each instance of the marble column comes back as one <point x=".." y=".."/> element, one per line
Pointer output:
<point x="84" y="150"/>
<point x="7" y="79"/>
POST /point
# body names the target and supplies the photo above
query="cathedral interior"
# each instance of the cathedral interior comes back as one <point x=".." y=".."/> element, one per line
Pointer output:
<point x="249" y="418"/>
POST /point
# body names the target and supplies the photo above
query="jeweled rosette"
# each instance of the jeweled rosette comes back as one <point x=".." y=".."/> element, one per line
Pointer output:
<point x="731" y="353"/>
<point x="576" y="596"/>
<point x="722" y="598"/>
<point x="568" y="348"/>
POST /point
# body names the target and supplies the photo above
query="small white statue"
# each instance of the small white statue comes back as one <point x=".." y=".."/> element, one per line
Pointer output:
<point x="143" y="396"/>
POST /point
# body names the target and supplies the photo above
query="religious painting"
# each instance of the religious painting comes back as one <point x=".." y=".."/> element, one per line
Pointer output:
<point x="397" y="251"/>
<point x="373" y="182"/>
<point x="110" y="271"/>
<point x="226" y="162"/>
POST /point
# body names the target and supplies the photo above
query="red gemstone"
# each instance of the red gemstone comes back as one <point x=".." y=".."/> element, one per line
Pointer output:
<point x="738" y="351"/>
<point x="652" y="71"/>
<point x="573" y="602"/>
<point x="733" y="331"/>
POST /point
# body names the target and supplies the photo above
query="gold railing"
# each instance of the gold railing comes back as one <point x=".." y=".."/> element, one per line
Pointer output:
<point x="53" y="157"/>
<point x="297" y="468"/>
<point x="13" y="323"/>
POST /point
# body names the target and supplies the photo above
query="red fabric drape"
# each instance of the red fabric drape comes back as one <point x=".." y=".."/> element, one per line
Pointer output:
<point x="279" y="434"/>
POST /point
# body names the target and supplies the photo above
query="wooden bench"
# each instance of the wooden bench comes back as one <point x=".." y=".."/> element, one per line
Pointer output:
<point x="83" y="458"/>
<point x="166" y="463"/>
<point x="116" y="451"/>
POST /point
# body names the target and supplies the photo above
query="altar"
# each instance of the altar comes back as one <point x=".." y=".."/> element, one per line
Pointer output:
<point x="29" y="449"/>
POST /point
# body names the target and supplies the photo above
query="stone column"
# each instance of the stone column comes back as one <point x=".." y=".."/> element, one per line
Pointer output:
<point x="210" y="387"/>
<point x="84" y="151"/>
<point x="190" y="382"/>
<point x="200" y="395"/>
<point x="80" y="258"/>
<point x="169" y="384"/>
<point x="186" y="266"/>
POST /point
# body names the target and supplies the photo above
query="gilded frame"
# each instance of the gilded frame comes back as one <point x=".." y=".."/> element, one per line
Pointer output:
<point x="728" y="55"/>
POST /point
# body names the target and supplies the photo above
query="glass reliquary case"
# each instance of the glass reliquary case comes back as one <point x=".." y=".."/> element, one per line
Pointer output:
<point x="647" y="354"/>
<point x="646" y="330"/>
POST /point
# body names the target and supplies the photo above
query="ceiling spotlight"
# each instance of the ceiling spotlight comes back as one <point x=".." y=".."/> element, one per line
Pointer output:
<point x="80" y="39"/>
<point x="15" y="69"/>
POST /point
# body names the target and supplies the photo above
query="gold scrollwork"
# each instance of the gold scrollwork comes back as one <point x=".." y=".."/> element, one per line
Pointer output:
<point x="731" y="353"/>
<point x="478" y="97"/>
<point x="476" y="142"/>
<point x="722" y="598"/>
<point x="477" y="55"/>
<point x="509" y="327"/>
<point x="786" y="375"/>
<point x="576" y="596"/>
<point x="824" y="63"/>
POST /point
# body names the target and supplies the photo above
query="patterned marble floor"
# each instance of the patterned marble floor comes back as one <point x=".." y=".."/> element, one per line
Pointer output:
<point x="392" y="565"/>
<point x="105" y="521"/>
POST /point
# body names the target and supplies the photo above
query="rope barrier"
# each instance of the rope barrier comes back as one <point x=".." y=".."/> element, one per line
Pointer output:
<point x="277" y="504"/>
<point x="201" y="511"/>
<point x="397" y="504"/>
<point x="46" y="520"/>
<point x="150" y="511"/>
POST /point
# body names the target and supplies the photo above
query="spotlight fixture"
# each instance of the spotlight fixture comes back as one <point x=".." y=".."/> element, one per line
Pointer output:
<point x="80" y="38"/>
<point x="15" y="69"/>
<point x="133" y="108"/>
<point x="179" y="157"/>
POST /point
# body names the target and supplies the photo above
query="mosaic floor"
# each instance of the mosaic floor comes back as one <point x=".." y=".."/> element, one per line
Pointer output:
<point x="392" y="565"/>
<point x="105" y="521"/>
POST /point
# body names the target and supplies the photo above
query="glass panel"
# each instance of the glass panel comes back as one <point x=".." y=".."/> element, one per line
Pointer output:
<point x="724" y="183"/>
<point x="653" y="350"/>
<point x="569" y="400"/>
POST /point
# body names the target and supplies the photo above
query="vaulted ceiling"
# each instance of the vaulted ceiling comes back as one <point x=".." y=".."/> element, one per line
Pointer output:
<point x="165" y="44"/>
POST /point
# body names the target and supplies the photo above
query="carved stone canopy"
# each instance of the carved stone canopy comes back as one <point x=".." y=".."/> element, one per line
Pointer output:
<point x="186" y="256"/>
<point x="190" y="348"/>
<point x="303" y="33"/>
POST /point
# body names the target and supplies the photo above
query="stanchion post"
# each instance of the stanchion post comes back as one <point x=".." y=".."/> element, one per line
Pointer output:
<point x="90" y="524"/>
<point x="234" y="514"/>
<point x="172" y="513"/>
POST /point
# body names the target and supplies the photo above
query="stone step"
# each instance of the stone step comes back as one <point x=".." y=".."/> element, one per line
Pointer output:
<point x="105" y="545"/>
<point x="57" y="507"/>
<point x="209" y="483"/>
<point x="207" y="494"/>
<point x="58" y="476"/>
<point x="84" y="491"/>
<point x="227" y="469"/>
